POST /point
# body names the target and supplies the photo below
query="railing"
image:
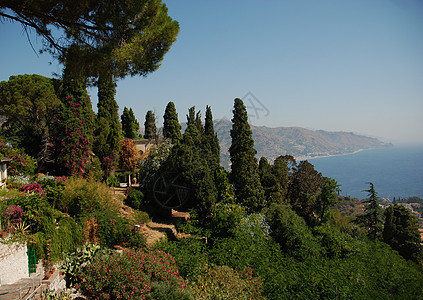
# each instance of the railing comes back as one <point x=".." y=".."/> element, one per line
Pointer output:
<point x="33" y="285"/>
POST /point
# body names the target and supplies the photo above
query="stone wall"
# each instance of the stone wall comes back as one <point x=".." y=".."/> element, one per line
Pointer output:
<point x="13" y="263"/>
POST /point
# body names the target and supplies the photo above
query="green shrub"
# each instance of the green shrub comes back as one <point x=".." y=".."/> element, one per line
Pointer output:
<point x="141" y="217"/>
<point x="112" y="181"/>
<point x="53" y="188"/>
<point x="74" y="262"/>
<point x="334" y="242"/>
<point x="129" y="275"/>
<point x="134" y="199"/>
<point x="15" y="182"/>
<point x="190" y="255"/>
<point x="223" y="282"/>
<point x="291" y="232"/>
<point x="94" y="171"/>
<point x="226" y="219"/>
<point x="161" y="290"/>
<point x="114" y="229"/>
<point x="81" y="197"/>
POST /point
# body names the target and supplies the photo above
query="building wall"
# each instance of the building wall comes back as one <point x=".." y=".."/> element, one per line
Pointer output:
<point x="3" y="171"/>
<point x="13" y="263"/>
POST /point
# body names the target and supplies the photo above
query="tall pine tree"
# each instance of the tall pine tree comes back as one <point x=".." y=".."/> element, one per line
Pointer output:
<point x="372" y="217"/>
<point x="150" y="126"/>
<point x="171" y="126"/>
<point x="244" y="174"/>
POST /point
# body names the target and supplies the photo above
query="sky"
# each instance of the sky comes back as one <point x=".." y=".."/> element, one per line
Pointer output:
<point x="353" y="65"/>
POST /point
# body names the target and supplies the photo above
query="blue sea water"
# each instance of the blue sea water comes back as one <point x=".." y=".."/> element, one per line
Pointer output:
<point x="395" y="172"/>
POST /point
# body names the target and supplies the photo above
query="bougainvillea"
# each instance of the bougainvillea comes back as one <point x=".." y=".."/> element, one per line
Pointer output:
<point x="20" y="163"/>
<point x="12" y="214"/>
<point x="32" y="188"/>
<point x="130" y="275"/>
<point x="73" y="131"/>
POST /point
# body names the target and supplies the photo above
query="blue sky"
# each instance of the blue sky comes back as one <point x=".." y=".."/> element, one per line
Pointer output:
<point x="332" y="65"/>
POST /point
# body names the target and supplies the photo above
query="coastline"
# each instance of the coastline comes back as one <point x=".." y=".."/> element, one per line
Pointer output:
<point x="301" y="158"/>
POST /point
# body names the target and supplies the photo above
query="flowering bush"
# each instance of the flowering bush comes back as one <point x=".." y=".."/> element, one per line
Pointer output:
<point x="32" y="188"/>
<point x="130" y="275"/>
<point x="53" y="187"/>
<point x="73" y="129"/>
<point x="13" y="215"/>
<point x="21" y="162"/>
<point x="17" y="181"/>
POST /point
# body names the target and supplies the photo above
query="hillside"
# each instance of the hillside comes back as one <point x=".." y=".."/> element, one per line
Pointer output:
<point x="296" y="141"/>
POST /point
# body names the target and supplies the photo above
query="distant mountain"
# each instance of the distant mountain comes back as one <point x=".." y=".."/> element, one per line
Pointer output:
<point x="296" y="141"/>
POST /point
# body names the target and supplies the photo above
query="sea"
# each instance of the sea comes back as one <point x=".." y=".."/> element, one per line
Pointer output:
<point x="395" y="171"/>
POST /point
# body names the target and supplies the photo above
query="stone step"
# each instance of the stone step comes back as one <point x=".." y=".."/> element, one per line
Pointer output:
<point x="22" y="289"/>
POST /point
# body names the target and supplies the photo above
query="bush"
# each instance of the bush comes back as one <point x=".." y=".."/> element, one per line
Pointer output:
<point x="291" y="232"/>
<point x="130" y="275"/>
<point x="134" y="199"/>
<point x="32" y="188"/>
<point x="114" y="229"/>
<point x="223" y="282"/>
<point x="53" y="188"/>
<point x="15" y="182"/>
<point x="50" y="232"/>
<point x="112" y="181"/>
<point x="226" y="219"/>
<point x="74" y="263"/>
<point x="21" y="164"/>
<point x="82" y="197"/>
<point x="190" y="255"/>
<point x="141" y="217"/>
<point x="94" y="170"/>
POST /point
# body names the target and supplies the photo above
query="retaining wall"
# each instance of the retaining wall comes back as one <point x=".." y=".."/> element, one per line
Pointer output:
<point x="13" y="263"/>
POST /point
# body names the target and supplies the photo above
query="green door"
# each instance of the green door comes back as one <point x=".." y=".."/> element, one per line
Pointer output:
<point x="32" y="260"/>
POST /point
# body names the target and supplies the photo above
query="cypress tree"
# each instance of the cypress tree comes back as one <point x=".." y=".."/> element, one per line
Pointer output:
<point x="212" y="141"/>
<point x="244" y="169"/>
<point x="401" y="232"/>
<point x="271" y="186"/>
<point x="109" y="127"/>
<point x="150" y="126"/>
<point x="130" y="125"/>
<point x="171" y="126"/>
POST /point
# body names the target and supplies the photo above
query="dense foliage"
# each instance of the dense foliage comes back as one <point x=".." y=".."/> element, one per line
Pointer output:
<point x="130" y="125"/>
<point x="401" y="232"/>
<point x="31" y="105"/>
<point x="128" y="155"/>
<point x="73" y="130"/>
<point x="244" y="174"/>
<point x="21" y="163"/>
<point x="109" y="130"/>
<point x="150" y="130"/>
<point x="171" y="126"/>
<point x="134" y="274"/>
<point x="277" y="237"/>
